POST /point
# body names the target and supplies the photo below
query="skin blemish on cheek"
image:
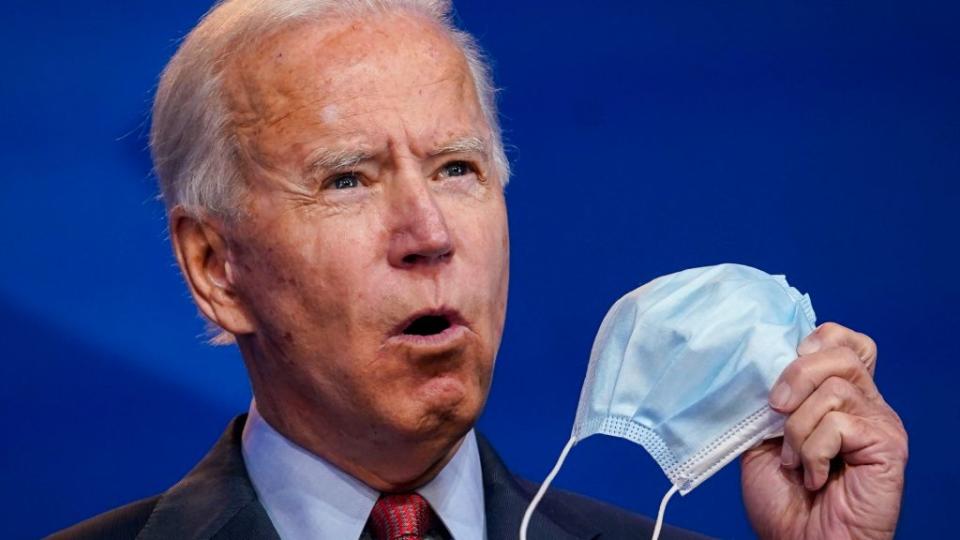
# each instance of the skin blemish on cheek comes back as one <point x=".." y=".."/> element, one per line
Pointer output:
<point x="329" y="114"/>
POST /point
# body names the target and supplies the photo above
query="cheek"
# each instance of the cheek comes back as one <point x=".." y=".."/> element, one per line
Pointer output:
<point x="306" y="283"/>
<point x="495" y="246"/>
<point x="346" y="254"/>
<point x="486" y="254"/>
<point x="334" y="274"/>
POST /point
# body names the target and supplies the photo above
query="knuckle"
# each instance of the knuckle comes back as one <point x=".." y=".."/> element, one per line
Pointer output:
<point x="848" y="356"/>
<point x="834" y="421"/>
<point x="793" y="431"/>
<point x="839" y="390"/>
<point x="829" y="326"/>
<point x="813" y="456"/>
<point x="793" y="371"/>
<point x="849" y="361"/>
<point x="806" y="457"/>
<point x="829" y="329"/>
<point x="834" y="385"/>
<point x="803" y="365"/>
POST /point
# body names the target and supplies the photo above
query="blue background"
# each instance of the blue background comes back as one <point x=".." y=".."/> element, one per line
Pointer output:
<point x="816" y="139"/>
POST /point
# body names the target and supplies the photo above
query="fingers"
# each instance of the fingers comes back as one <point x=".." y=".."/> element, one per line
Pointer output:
<point x="805" y="374"/>
<point x="833" y="373"/>
<point x="837" y="433"/>
<point x="834" y="408"/>
<point x="835" y="394"/>
<point x="831" y="335"/>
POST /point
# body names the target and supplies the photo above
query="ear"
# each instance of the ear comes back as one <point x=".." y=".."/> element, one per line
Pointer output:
<point x="204" y="258"/>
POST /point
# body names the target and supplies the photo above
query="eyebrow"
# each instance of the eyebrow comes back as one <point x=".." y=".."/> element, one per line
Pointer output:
<point x="462" y="145"/>
<point x="331" y="159"/>
<point x="337" y="160"/>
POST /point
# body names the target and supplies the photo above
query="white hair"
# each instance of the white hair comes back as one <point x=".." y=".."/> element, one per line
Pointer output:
<point x="194" y="150"/>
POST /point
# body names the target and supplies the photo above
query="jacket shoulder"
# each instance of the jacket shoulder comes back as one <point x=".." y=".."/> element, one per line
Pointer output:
<point x="123" y="523"/>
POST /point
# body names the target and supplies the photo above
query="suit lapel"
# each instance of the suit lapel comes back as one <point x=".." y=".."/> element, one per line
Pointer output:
<point x="506" y="500"/>
<point x="215" y="500"/>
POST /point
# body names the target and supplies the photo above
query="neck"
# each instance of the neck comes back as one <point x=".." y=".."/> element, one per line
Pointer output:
<point x="386" y="465"/>
<point x="369" y="448"/>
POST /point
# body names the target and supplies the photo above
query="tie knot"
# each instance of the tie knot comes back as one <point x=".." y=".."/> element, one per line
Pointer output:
<point x="400" y="516"/>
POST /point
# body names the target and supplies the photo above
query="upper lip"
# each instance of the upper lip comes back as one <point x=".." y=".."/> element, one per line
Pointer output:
<point x="453" y="317"/>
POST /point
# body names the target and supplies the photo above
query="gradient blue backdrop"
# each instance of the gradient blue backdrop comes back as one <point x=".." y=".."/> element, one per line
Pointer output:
<point x="820" y="139"/>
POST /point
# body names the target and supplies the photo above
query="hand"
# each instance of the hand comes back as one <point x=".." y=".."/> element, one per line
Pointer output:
<point x="838" y="471"/>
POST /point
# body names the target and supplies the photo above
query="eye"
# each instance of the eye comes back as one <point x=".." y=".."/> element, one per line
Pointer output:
<point x="344" y="181"/>
<point x="456" y="168"/>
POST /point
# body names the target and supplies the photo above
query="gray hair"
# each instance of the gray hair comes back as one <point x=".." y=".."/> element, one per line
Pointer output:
<point x="195" y="156"/>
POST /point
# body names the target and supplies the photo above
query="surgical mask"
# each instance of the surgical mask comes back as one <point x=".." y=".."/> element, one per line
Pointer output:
<point x="683" y="366"/>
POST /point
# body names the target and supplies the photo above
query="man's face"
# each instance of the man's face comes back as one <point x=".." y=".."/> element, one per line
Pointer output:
<point x="373" y="258"/>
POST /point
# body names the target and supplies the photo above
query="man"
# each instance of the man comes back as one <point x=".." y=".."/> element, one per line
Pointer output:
<point x="334" y="177"/>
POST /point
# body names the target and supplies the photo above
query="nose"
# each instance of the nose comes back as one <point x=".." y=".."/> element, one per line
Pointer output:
<point x="419" y="235"/>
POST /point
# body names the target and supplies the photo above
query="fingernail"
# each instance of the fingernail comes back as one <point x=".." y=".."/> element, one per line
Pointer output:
<point x="808" y="479"/>
<point x="788" y="457"/>
<point x="780" y="395"/>
<point x="809" y="345"/>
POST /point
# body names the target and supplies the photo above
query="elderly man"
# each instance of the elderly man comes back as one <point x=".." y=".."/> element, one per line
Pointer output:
<point x="334" y="177"/>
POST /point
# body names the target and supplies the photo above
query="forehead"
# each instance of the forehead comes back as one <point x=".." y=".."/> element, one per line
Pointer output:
<point x="353" y="78"/>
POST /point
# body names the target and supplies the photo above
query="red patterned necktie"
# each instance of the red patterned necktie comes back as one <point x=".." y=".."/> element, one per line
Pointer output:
<point x="400" y="516"/>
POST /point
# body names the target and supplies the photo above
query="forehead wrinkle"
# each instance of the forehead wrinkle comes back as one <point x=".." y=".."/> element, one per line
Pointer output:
<point x="274" y="100"/>
<point x="250" y="108"/>
<point x="384" y="91"/>
<point x="262" y="77"/>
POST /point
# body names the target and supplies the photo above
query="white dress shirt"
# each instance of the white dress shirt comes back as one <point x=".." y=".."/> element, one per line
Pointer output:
<point x="308" y="498"/>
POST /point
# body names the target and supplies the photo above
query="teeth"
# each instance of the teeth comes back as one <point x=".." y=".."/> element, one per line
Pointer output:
<point x="428" y="325"/>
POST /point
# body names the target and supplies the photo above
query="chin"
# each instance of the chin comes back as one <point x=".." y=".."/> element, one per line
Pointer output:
<point x="445" y="408"/>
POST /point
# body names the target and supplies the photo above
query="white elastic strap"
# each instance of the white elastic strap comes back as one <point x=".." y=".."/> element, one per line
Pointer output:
<point x="543" y="489"/>
<point x="663" y="509"/>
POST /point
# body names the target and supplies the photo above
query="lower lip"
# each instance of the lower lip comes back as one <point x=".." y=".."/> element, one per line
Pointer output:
<point x="451" y="335"/>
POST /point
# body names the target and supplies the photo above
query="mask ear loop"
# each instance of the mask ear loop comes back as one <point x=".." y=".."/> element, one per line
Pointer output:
<point x="543" y="488"/>
<point x="528" y="515"/>
<point x="663" y="510"/>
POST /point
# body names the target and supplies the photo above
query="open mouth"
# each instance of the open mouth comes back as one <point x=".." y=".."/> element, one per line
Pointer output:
<point x="431" y="328"/>
<point x="427" y="325"/>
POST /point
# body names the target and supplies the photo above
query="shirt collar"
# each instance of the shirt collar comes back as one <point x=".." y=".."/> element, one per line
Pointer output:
<point x="456" y="493"/>
<point x="307" y="497"/>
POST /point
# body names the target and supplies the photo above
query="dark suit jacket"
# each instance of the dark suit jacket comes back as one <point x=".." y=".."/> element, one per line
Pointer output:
<point x="217" y="501"/>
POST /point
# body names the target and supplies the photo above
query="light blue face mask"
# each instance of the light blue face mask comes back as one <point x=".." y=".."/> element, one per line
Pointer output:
<point x="683" y="366"/>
